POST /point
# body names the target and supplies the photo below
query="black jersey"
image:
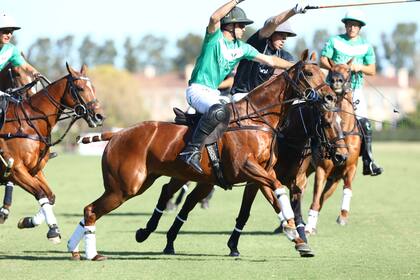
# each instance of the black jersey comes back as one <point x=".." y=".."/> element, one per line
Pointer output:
<point x="251" y="74"/>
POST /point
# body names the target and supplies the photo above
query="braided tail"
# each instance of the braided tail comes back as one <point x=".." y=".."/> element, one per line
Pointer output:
<point x="104" y="136"/>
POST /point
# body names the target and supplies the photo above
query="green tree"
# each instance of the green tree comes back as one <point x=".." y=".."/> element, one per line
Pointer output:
<point x="39" y="54"/>
<point x="152" y="52"/>
<point x="87" y="51"/>
<point x="189" y="48"/>
<point x="400" y="50"/>
<point x="106" y="53"/>
<point x="62" y="53"/>
<point x="320" y="38"/>
<point x="131" y="62"/>
<point x="300" y="46"/>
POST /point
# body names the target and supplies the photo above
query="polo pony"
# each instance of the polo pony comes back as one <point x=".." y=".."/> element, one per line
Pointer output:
<point x="135" y="157"/>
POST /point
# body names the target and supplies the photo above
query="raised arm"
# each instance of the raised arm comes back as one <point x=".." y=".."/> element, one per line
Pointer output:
<point x="215" y="18"/>
<point x="271" y="25"/>
<point x="273" y="61"/>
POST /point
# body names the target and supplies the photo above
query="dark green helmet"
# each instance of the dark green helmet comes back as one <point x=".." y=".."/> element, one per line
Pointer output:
<point x="236" y="15"/>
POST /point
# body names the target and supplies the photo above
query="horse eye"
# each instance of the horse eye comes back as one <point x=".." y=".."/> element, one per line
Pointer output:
<point x="309" y="74"/>
<point x="340" y="81"/>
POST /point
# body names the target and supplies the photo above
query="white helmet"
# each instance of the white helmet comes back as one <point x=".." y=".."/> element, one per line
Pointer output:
<point x="356" y="15"/>
<point x="7" y="22"/>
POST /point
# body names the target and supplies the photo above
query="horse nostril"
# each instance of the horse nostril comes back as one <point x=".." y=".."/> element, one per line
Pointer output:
<point x="329" y="98"/>
<point x="340" y="159"/>
<point x="99" y="117"/>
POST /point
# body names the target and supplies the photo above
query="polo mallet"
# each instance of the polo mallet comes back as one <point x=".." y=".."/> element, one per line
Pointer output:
<point x="359" y="4"/>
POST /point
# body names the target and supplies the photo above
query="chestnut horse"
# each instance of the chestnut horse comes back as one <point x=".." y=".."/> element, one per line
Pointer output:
<point x="327" y="176"/>
<point x="135" y="157"/>
<point x="303" y="121"/>
<point x="26" y="138"/>
<point x="10" y="79"/>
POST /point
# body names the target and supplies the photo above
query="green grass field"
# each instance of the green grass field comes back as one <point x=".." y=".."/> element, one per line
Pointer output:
<point x="382" y="240"/>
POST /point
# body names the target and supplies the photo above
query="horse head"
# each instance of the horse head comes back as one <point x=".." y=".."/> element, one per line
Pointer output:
<point x="308" y="82"/>
<point x="82" y="98"/>
<point x="339" y="77"/>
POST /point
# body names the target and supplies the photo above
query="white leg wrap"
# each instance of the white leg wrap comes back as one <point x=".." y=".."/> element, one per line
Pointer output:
<point x="47" y="211"/>
<point x="39" y="218"/>
<point x="312" y="219"/>
<point x="284" y="201"/>
<point x="281" y="216"/>
<point x="73" y="243"/>
<point x="185" y="187"/>
<point x="90" y="242"/>
<point x="347" y="194"/>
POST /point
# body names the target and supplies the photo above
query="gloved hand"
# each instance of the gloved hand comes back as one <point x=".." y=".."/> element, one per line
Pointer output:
<point x="300" y="8"/>
<point x="36" y="75"/>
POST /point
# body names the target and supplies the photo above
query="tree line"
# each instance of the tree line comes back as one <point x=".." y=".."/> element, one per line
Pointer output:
<point x="397" y="49"/>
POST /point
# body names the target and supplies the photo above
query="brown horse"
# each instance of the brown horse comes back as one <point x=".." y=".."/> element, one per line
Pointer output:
<point x="135" y="157"/>
<point x="327" y="176"/>
<point x="14" y="77"/>
<point x="303" y="121"/>
<point x="10" y="79"/>
<point x="26" y="137"/>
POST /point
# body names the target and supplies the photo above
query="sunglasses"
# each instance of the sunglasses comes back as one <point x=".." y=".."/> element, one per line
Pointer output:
<point x="7" y="31"/>
<point x="241" y="25"/>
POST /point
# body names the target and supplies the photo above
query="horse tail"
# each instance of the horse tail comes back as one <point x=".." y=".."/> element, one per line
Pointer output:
<point x="104" y="136"/>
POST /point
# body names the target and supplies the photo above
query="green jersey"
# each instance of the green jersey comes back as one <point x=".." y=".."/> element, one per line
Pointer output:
<point x="9" y="53"/>
<point x="341" y="49"/>
<point x="218" y="58"/>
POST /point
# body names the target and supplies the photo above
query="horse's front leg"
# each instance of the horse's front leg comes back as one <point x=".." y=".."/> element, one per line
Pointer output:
<point x="38" y="187"/>
<point x="250" y="192"/>
<point x="258" y="174"/>
<point x="168" y="190"/>
<point x="200" y="192"/>
<point x="7" y="202"/>
<point x="343" y="218"/>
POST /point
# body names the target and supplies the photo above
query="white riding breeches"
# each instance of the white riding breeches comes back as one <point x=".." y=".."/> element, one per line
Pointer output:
<point x="359" y="101"/>
<point x="201" y="98"/>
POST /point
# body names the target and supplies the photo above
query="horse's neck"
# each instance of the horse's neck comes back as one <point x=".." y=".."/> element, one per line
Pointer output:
<point x="266" y="99"/>
<point x="347" y="114"/>
<point x="47" y="101"/>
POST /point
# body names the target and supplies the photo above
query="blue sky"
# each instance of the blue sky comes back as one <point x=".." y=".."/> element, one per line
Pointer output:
<point x="175" y="18"/>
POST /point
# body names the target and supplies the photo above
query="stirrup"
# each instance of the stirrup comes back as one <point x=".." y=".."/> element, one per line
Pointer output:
<point x="372" y="169"/>
<point x="188" y="158"/>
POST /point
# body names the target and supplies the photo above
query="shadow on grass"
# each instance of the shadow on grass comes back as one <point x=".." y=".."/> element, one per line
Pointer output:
<point x="201" y="232"/>
<point x="55" y="255"/>
<point x="128" y="214"/>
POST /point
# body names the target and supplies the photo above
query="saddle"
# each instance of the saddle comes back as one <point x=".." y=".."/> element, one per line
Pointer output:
<point x="191" y="120"/>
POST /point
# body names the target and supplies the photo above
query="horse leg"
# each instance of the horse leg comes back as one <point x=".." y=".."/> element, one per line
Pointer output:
<point x="7" y="202"/>
<point x="248" y="197"/>
<point x="168" y="190"/>
<point x="343" y="218"/>
<point x="319" y="184"/>
<point x="199" y="192"/>
<point x="116" y="193"/>
<point x="37" y="185"/>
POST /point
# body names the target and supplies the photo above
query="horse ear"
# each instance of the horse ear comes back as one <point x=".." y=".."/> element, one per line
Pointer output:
<point x="70" y="70"/>
<point x="304" y="55"/>
<point x="83" y="70"/>
<point x="331" y="62"/>
<point x="313" y="56"/>
<point x="350" y="61"/>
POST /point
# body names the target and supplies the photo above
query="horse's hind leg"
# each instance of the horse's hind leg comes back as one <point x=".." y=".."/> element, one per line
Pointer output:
<point x="250" y="192"/>
<point x="111" y="199"/>
<point x="7" y="202"/>
<point x="168" y="190"/>
<point x="199" y="192"/>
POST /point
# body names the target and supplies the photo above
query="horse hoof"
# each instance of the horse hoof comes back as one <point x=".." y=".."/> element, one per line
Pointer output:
<point x="75" y="256"/>
<point x="25" y="223"/>
<point x="54" y="235"/>
<point x="142" y="234"/>
<point x="342" y="221"/>
<point x="234" y="253"/>
<point x="3" y="217"/>
<point x="310" y="231"/>
<point x="290" y="232"/>
<point x="169" y="250"/>
<point x="304" y="250"/>
<point x="99" y="258"/>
